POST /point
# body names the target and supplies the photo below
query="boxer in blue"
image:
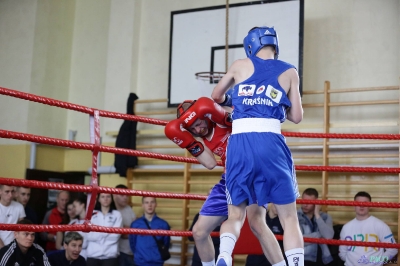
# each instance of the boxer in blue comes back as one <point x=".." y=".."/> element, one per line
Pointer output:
<point x="203" y="128"/>
<point x="259" y="166"/>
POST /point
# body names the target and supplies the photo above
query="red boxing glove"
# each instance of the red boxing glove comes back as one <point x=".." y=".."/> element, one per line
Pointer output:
<point x="183" y="138"/>
<point x="205" y="107"/>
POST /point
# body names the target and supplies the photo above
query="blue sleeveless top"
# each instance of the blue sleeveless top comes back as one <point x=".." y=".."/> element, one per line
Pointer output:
<point x="261" y="96"/>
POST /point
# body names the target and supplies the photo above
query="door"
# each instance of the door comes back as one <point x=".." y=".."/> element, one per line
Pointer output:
<point x="42" y="199"/>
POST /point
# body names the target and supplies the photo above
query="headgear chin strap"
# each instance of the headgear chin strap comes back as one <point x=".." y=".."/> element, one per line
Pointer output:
<point x="259" y="37"/>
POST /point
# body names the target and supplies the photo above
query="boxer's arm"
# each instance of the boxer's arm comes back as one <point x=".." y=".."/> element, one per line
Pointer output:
<point x="228" y="99"/>
<point x="207" y="158"/>
<point x="227" y="81"/>
<point x="294" y="113"/>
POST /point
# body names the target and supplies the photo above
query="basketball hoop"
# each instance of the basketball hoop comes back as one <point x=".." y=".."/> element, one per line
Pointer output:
<point x="206" y="82"/>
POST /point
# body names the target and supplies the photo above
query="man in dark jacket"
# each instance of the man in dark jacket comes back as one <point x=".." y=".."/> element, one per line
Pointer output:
<point x="70" y="256"/>
<point x="22" y="251"/>
<point x="315" y="224"/>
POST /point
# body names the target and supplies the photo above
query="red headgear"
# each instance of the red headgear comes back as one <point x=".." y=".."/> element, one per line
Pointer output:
<point x="186" y="112"/>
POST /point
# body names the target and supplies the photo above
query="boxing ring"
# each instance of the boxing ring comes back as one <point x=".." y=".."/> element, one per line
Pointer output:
<point x="94" y="189"/>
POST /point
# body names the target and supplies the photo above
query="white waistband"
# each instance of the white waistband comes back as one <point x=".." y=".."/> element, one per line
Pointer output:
<point x="245" y="125"/>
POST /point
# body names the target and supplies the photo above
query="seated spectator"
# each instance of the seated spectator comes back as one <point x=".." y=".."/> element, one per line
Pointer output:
<point x="22" y="251"/>
<point x="70" y="256"/>
<point x="315" y="224"/>
<point x="80" y="211"/>
<point x="275" y="225"/>
<point x="23" y="194"/>
<point x="67" y="217"/>
<point x="144" y="247"/>
<point x="54" y="217"/>
<point x="10" y="213"/>
<point x="128" y="216"/>
<point x="102" y="248"/>
<point x="366" y="228"/>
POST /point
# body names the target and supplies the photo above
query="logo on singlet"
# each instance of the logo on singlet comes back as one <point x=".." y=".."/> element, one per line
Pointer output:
<point x="273" y="94"/>
<point x="177" y="141"/>
<point x="246" y="90"/>
<point x="260" y="89"/>
<point x="219" y="151"/>
<point x="187" y="119"/>
<point x="257" y="101"/>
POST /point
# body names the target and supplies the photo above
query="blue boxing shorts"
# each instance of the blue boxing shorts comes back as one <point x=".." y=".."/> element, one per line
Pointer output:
<point x="259" y="168"/>
<point x="216" y="204"/>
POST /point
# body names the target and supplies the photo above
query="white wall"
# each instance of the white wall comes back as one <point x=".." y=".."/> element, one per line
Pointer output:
<point x="94" y="53"/>
<point x="119" y="76"/>
<point x="51" y="66"/>
<point x="154" y="43"/>
<point x="103" y="59"/>
<point x="35" y="51"/>
<point x="17" y="29"/>
<point x="353" y="44"/>
<point x="89" y="61"/>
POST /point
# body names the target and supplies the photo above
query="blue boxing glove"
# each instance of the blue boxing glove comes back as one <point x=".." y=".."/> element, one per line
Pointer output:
<point x="228" y="99"/>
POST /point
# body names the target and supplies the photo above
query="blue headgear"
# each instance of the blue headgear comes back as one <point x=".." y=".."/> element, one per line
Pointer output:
<point x="259" y="37"/>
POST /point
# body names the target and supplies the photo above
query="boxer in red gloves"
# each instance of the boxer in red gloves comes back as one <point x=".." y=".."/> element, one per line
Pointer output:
<point x="203" y="128"/>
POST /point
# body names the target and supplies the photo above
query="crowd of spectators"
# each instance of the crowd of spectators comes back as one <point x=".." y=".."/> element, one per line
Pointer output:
<point x="94" y="248"/>
<point x="76" y="248"/>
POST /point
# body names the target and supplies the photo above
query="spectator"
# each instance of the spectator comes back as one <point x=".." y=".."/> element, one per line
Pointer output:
<point x="275" y="225"/>
<point x="10" y="213"/>
<point x="366" y="228"/>
<point x="70" y="256"/>
<point x="196" y="261"/>
<point x="68" y="216"/>
<point x="80" y="211"/>
<point x="128" y="216"/>
<point x="23" y="194"/>
<point x="54" y="217"/>
<point x="315" y="224"/>
<point x="144" y="248"/>
<point x="22" y="251"/>
<point x="102" y="248"/>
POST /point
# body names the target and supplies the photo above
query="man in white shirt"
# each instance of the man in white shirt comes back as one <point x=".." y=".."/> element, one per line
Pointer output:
<point x="10" y="213"/>
<point x="128" y="216"/>
<point x="366" y="228"/>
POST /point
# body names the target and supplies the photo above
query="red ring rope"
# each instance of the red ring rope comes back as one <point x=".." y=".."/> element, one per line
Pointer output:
<point x="102" y="148"/>
<point x="118" y="230"/>
<point x="132" y="192"/>
<point x="102" y="113"/>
